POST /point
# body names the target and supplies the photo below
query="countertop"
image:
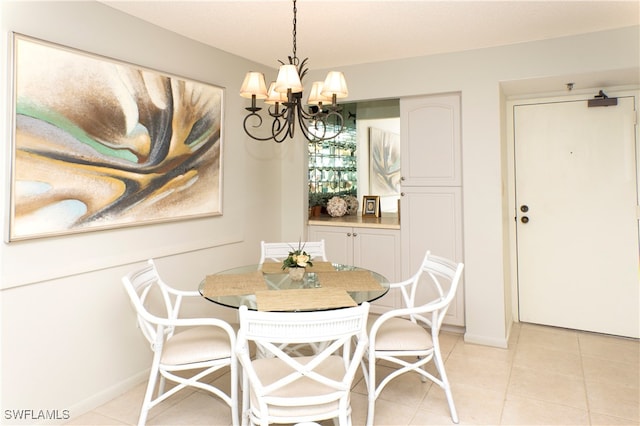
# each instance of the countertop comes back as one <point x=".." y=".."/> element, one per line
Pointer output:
<point x="389" y="221"/>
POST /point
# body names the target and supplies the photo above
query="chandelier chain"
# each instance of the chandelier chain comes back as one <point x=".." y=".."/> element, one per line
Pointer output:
<point x="295" y="21"/>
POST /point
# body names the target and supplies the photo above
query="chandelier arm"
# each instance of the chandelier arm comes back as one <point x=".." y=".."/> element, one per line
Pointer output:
<point x="312" y="137"/>
<point x="274" y="136"/>
<point x="303" y="119"/>
<point x="276" y="112"/>
<point x="339" y="119"/>
<point x="277" y="129"/>
<point x="320" y="121"/>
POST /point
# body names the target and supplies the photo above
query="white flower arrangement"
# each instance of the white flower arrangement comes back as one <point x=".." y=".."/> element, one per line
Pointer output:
<point x="337" y="206"/>
<point x="298" y="258"/>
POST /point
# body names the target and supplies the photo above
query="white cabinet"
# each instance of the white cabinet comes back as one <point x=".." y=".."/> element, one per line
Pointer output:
<point x="431" y="201"/>
<point x="430" y="146"/>
<point x="431" y="220"/>
<point x="375" y="249"/>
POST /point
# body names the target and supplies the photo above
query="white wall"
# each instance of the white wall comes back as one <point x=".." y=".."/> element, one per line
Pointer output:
<point x="478" y="75"/>
<point x="69" y="339"/>
<point x="68" y="336"/>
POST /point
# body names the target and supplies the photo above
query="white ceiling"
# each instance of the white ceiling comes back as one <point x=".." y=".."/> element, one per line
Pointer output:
<point x="333" y="33"/>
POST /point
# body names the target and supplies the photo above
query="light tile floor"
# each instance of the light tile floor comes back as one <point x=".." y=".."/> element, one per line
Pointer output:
<point x="547" y="376"/>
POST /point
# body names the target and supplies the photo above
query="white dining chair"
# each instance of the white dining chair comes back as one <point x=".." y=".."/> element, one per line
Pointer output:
<point x="277" y="252"/>
<point x="202" y="344"/>
<point x="412" y="332"/>
<point x="296" y="389"/>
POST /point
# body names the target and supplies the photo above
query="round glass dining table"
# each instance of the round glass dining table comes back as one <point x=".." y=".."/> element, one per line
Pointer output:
<point x="282" y="281"/>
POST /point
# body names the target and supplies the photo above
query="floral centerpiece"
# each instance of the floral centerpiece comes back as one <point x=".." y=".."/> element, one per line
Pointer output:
<point x="296" y="262"/>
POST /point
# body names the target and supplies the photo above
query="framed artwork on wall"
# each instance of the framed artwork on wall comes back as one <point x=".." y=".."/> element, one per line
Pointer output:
<point x="100" y="144"/>
<point x="384" y="162"/>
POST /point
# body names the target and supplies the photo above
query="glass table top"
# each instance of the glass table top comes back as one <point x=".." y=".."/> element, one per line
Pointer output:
<point x="282" y="281"/>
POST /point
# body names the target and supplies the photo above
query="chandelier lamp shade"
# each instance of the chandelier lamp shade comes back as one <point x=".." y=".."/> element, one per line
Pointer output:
<point x="318" y="116"/>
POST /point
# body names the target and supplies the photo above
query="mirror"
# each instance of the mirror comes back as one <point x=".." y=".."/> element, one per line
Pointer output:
<point x="363" y="160"/>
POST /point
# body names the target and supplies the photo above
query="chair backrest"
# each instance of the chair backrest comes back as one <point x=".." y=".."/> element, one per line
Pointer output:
<point x="333" y="331"/>
<point x="443" y="275"/>
<point x="143" y="286"/>
<point x="277" y="252"/>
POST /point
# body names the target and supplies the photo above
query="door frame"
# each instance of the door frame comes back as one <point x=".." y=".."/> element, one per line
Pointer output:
<point x="510" y="207"/>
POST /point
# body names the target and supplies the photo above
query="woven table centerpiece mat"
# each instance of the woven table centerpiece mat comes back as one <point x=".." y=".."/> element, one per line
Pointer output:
<point x="303" y="299"/>
<point x="276" y="268"/>
<point x="349" y="280"/>
<point x="233" y="284"/>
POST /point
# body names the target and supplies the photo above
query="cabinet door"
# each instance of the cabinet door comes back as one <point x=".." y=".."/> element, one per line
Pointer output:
<point x="379" y="250"/>
<point x="432" y="220"/>
<point x="430" y="140"/>
<point x="338" y="242"/>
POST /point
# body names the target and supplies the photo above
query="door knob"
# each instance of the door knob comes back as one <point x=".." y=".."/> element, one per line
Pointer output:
<point x="524" y="219"/>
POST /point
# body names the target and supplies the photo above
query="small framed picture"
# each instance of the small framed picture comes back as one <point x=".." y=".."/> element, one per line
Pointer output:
<point x="371" y="205"/>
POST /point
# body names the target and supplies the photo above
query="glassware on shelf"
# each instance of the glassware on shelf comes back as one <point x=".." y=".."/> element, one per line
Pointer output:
<point x="333" y="167"/>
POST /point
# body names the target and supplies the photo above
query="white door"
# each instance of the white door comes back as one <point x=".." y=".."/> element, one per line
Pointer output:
<point x="576" y="212"/>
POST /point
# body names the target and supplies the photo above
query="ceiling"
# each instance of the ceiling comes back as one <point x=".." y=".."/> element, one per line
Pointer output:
<point x="334" y="33"/>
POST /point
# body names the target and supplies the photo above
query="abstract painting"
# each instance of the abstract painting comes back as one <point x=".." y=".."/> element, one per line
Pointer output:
<point x="101" y="144"/>
<point x="384" y="162"/>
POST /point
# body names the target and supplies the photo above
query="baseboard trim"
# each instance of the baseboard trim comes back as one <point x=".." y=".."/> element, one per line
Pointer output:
<point x="486" y="341"/>
<point x="455" y="329"/>
<point x="107" y="395"/>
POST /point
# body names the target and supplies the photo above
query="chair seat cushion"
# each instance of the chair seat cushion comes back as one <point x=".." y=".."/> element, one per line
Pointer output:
<point x="197" y="344"/>
<point x="399" y="334"/>
<point x="270" y="370"/>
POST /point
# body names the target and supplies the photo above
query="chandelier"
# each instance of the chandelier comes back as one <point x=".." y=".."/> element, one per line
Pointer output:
<point x="319" y="118"/>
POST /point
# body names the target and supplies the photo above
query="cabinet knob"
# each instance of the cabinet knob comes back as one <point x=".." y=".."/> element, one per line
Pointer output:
<point x="402" y="194"/>
<point x="355" y="234"/>
<point x="348" y="234"/>
<point x="402" y="178"/>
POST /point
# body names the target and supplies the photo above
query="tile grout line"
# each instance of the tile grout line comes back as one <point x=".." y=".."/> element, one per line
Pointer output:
<point x="584" y="378"/>
<point x="511" y="362"/>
